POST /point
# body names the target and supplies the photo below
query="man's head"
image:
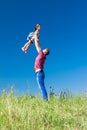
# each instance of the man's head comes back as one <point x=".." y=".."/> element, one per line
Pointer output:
<point x="46" y="51"/>
<point x="37" y="27"/>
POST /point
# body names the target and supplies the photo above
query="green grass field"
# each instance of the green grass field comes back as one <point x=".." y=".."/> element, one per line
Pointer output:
<point x="26" y="113"/>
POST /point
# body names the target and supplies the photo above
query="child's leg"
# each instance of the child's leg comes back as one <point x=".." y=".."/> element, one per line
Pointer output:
<point x="26" y="46"/>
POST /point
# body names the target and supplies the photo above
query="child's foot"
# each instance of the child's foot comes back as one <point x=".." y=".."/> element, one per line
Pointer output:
<point x="24" y="50"/>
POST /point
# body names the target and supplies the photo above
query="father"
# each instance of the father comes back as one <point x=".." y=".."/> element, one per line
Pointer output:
<point x="39" y="68"/>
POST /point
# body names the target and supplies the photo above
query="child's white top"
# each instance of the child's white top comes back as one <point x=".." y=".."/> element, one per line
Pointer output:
<point x="31" y="35"/>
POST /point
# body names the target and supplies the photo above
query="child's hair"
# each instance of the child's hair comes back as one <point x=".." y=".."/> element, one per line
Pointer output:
<point x="35" y="28"/>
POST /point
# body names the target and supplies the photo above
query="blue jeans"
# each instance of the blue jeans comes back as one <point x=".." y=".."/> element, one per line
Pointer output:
<point x="40" y="80"/>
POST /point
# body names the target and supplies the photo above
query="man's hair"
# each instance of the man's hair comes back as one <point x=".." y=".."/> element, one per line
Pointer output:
<point x="48" y="52"/>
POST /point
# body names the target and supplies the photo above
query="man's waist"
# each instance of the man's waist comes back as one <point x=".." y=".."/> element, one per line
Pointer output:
<point x="38" y="70"/>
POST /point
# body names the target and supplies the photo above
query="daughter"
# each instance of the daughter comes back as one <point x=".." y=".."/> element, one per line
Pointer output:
<point x="30" y="38"/>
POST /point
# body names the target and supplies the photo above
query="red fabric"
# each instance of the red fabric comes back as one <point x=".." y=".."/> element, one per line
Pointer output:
<point x="39" y="61"/>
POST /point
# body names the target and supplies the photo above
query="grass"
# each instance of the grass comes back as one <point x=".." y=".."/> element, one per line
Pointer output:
<point x="26" y="113"/>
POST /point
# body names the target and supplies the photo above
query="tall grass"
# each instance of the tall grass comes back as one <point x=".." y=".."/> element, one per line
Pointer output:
<point x="26" y="113"/>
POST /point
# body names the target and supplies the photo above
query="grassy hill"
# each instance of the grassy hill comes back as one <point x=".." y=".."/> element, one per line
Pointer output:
<point x="26" y="113"/>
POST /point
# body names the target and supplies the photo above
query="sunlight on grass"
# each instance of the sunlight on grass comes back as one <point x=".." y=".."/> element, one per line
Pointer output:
<point x="26" y="113"/>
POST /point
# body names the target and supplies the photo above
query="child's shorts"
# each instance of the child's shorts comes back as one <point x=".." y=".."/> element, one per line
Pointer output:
<point x="31" y="39"/>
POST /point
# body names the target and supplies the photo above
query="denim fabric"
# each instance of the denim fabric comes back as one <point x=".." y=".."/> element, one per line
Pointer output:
<point x="40" y="81"/>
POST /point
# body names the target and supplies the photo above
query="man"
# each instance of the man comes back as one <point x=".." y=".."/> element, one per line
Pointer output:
<point x="39" y="68"/>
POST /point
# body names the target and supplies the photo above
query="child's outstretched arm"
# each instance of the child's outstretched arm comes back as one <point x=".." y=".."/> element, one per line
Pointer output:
<point x="37" y="44"/>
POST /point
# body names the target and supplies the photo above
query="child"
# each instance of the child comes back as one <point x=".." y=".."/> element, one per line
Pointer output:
<point x="30" y="38"/>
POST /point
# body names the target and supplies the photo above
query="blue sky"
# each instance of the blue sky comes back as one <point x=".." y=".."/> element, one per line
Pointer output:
<point x="63" y="31"/>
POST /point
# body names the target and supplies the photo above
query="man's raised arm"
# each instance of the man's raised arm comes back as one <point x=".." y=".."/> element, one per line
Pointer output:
<point x="37" y="44"/>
